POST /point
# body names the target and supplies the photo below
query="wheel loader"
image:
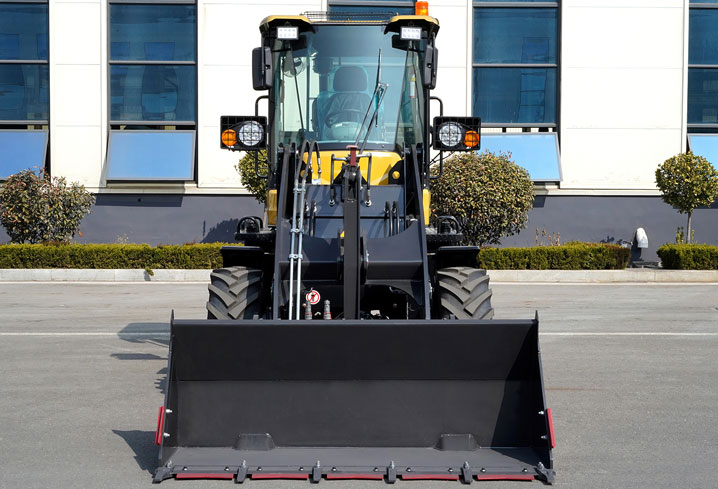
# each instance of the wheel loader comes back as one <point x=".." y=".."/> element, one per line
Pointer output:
<point x="350" y="335"/>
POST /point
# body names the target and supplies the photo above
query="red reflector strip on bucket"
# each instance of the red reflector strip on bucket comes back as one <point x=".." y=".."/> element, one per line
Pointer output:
<point x="160" y="426"/>
<point x="375" y="477"/>
<point x="280" y="476"/>
<point x="199" y="475"/>
<point x="437" y="477"/>
<point x="550" y="428"/>
<point x="504" y="477"/>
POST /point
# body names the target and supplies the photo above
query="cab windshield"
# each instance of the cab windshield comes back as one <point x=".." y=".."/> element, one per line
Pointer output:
<point x="347" y="84"/>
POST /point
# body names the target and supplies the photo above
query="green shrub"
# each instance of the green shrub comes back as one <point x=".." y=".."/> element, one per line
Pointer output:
<point x="487" y="193"/>
<point x="248" y="175"/>
<point x="571" y="256"/>
<point x="37" y="208"/>
<point x="135" y="256"/>
<point x="689" y="256"/>
<point x="686" y="182"/>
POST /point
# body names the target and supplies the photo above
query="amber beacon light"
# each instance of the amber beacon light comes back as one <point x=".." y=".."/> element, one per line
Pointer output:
<point x="229" y="138"/>
<point x="421" y="8"/>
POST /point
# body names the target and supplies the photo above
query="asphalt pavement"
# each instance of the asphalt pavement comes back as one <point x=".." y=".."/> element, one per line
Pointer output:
<point x="631" y="375"/>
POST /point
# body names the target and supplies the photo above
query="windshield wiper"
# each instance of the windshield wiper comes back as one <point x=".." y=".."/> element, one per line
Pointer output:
<point x="372" y="116"/>
<point x="293" y="74"/>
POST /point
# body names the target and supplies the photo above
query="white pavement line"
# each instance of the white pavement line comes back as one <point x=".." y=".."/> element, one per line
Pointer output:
<point x="636" y="333"/>
<point x="161" y="333"/>
<point x="89" y="333"/>
<point x="102" y="282"/>
<point x="595" y="284"/>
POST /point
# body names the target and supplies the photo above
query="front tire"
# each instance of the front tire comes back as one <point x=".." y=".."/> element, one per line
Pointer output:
<point x="235" y="293"/>
<point x="464" y="293"/>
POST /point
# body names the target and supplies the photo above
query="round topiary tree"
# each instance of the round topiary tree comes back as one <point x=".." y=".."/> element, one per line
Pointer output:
<point x="38" y="209"/>
<point x="248" y="175"/>
<point x="488" y="194"/>
<point x="686" y="182"/>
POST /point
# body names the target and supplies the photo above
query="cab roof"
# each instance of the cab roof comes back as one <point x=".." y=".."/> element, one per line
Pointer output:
<point x="308" y="20"/>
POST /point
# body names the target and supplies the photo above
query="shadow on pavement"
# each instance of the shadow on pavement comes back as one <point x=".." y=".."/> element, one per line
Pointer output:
<point x="146" y="333"/>
<point x="143" y="444"/>
<point x="153" y="333"/>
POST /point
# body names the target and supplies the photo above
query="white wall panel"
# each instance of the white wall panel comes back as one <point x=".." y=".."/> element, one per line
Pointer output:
<point x="77" y="154"/>
<point x="603" y="37"/>
<point x="615" y="158"/>
<point x="622" y="98"/>
<point x="77" y="102"/>
<point x="621" y="91"/>
<point x="450" y="88"/>
<point x="81" y="95"/>
<point x="76" y="30"/>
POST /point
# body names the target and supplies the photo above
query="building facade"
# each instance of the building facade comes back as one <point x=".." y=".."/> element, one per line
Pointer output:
<point x="125" y="97"/>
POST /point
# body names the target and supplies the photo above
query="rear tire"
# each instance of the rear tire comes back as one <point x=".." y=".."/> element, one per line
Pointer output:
<point x="464" y="293"/>
<point x="235" y="293"/>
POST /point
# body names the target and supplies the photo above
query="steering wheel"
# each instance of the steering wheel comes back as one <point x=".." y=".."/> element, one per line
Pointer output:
<point x="341" y="116"/>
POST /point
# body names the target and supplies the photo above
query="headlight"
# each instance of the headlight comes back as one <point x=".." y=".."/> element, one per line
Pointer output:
<point x="450" y="134"/>
<point x="243" y="133"/>
<point x="456" y="133"/>
<point x="250" y="133"/>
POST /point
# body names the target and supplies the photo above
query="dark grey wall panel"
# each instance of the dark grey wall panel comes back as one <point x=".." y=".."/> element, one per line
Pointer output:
<point x="611" y="218"/>
<point x="177" y="219"/>
<point x="164" y="219"/>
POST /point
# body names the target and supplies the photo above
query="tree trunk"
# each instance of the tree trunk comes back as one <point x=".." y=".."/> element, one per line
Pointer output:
<point x="688" y="229"/>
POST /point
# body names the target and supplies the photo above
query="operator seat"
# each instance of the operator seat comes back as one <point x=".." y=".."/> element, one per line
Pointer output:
<point x="345" y="109"/>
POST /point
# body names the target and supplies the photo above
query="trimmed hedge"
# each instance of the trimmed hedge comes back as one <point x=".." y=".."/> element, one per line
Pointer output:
<point x="689" y="256"/>
<point x="137" y="256"/>
<point x="571" y="256"/>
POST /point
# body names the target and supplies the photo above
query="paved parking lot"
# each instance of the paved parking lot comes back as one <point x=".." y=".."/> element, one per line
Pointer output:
<point x="631" y="374"/>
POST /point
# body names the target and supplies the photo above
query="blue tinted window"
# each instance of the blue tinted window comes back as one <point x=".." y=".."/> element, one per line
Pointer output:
<point x="515" y="35"/>
<point x="515" y="95"/>
<point x="703" y="34"/>
<point x="705" y="145"/>
<point x="21" y="150"/>
<point x="23" y="31"/>
<point x="537" y="153"/>
<point x="151" y="155"/>
<point x="152" y="92"/>
<point x="702" y="96"/>
<point x="24" y="92"/>
<point x="153" y="32"/>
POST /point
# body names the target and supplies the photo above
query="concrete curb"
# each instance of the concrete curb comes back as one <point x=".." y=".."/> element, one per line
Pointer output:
<point x="101" y="275"/>
<point x="636" y="275"/>
<point x="511" y="276"/>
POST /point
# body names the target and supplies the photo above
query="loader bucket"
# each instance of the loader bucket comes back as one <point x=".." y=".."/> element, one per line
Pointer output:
<point x="366" y="399"/>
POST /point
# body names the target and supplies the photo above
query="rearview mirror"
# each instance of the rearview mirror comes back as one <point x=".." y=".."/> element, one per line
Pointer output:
<point x="262" y="68"/>
<point x="431" y="58"/>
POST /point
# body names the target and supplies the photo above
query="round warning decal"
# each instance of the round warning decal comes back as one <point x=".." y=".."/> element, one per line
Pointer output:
<point x="313" y="297"/>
